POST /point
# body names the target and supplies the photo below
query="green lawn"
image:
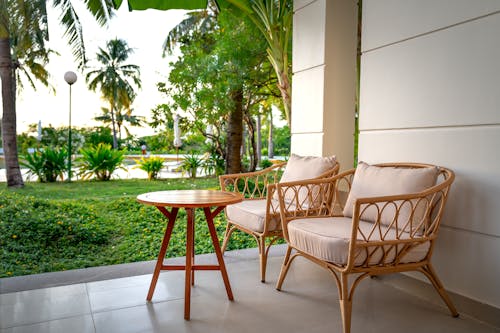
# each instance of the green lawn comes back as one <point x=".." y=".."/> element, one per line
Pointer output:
<point x="48" y="227"/>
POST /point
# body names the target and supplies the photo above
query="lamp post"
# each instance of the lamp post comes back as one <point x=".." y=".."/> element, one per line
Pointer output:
<point x="70" y="78"/>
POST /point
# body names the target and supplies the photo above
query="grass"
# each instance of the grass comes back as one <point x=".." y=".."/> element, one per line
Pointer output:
<point x="48" y="227"/>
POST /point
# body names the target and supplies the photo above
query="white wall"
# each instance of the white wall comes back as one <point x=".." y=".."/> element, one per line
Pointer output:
<point x="430" y="92"/>
<point x="324" y="79"/>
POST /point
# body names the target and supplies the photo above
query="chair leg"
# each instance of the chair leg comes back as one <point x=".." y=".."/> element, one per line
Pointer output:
<point x="431" y="274"/>
<point x="227" y="235"/>
<point x="284" y="268"/>
<point x="263" y="257"/>
<point x="345" y="303"/>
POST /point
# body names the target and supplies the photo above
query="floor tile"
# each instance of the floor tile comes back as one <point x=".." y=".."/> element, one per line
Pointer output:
<point x="78" y="324"/>
<point x="29" y="307"/>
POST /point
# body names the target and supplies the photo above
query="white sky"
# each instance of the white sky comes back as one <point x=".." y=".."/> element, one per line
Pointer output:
<point x="144" y="31"/>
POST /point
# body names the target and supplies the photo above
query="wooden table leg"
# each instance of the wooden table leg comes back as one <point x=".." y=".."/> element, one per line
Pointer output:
<point x="215" y="241"/>
<point x="193" y="253"/>
<point x="171" y="216"/>
<point x="189" y="257"/>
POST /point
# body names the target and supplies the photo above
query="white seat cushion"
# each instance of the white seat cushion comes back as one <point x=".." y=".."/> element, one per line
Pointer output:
<point x="251" y="214"/>
<point x="328" y="239"/>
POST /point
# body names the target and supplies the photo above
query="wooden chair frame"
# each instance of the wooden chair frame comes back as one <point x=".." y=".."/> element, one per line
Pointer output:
<point x="257" y="186"/>
<point x="364" y="250"/>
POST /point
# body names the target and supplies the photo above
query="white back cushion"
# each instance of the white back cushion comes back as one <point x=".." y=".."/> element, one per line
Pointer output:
<point x="374" y="181"/>
<point x="305" y="167"/>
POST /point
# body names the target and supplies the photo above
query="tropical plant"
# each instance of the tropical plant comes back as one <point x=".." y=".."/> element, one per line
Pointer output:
<point x="265" y="163"/>
<point x="23" y="34"/>
<point x="152" y="165"/>
<point x="100" y="162"/>
<point x="47" y="164"/>
<point x="213" y="164"/>
<point x="190" y="164"/>
<point x="115" y="79"/>
<point x="35" y="164"/>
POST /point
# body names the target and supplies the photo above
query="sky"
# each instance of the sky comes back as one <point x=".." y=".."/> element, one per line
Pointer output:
<point x="144" y="31"/>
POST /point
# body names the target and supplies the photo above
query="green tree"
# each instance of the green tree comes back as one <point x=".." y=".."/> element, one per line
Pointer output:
<point x="219" y="81"/>
<point x="115" y="79"/>
<point x="272" y="17"/>
<point x="23" y="33"/>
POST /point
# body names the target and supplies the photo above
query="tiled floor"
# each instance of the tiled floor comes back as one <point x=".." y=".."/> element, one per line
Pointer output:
<point x="308" y="303"/>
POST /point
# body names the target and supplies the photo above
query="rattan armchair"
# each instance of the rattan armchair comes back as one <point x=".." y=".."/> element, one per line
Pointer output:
<point x="259" y="215"/>
<point x="366" y="235"/>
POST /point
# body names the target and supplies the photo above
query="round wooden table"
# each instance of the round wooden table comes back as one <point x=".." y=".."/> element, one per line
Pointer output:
<point x="189" y="200"/>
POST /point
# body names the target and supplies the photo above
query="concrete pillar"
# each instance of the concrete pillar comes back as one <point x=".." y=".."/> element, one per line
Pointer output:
<point x="324" y="78"/>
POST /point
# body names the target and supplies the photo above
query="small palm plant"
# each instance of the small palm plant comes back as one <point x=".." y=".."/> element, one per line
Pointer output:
<point x="213" y="164"/>
<point x="151" y="165"/>
<point x="47" y="165"/>
<point x="190" y="164"/>
<point x="35" y="164"/>
<point x="100" y="161"/>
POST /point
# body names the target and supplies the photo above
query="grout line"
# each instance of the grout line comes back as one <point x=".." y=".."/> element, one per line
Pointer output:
<point x="429" y="127"/>
<point x="90" y="306"/>
<point x="309" y="68"/>
<point x="431" y="32"/>
<point x="469" y="231"/>
<point x="44" y="321"/>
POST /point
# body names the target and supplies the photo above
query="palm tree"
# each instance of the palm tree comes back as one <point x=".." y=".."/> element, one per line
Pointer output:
<point x="115" y="79"/>
<point x="121" y="118"/>
<point x="23" y="33"/>
<point x="201" y="21"/>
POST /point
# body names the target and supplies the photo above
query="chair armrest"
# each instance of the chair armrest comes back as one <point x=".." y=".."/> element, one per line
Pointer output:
<point x="253" y="185"/>
<point x="313" y="198"/>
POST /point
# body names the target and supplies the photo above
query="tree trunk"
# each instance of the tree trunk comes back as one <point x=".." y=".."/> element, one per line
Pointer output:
<point x="9" y="135"/>
<point x="270" y="144"/>
<point x="235" y="133"/>
<point x="286" y="95"/>
<point x="252" y="151"/>
<point x="259" y="139"/>
<point x="112" y="108"/>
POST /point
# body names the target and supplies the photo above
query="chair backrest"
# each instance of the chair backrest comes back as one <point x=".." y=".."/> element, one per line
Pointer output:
<point x="400" y="222"/>
<point x="252" y="185"/>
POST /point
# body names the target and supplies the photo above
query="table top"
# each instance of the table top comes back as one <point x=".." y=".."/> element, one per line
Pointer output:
<point x="189" y="198"/>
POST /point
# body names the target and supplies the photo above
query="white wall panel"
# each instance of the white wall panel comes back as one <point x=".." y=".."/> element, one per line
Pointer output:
<point x="309" y="36"/>
<point x="451" y="77"/>
<point x="466" y="261"/>
<point x="389" y="21"/>
<point x="310" y="144"/>
<point x="299" y="4"/>
<point x="474" y="202"/>
<point x="308" y="101"/>
<point x="430" y="92"/>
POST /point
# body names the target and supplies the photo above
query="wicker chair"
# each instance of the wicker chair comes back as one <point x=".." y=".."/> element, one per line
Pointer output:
<point x="368" y="221"/>
<point x="259" y="215"/>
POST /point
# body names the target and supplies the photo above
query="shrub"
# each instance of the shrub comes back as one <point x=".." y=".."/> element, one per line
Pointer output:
<point x="214" y="164"/>
<point x="265" y="163"/>
<point x="47" y="164"/>
<point x="100" y="161"/>
<point x="151" y="165"/>
<point x="190" y="164"/>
